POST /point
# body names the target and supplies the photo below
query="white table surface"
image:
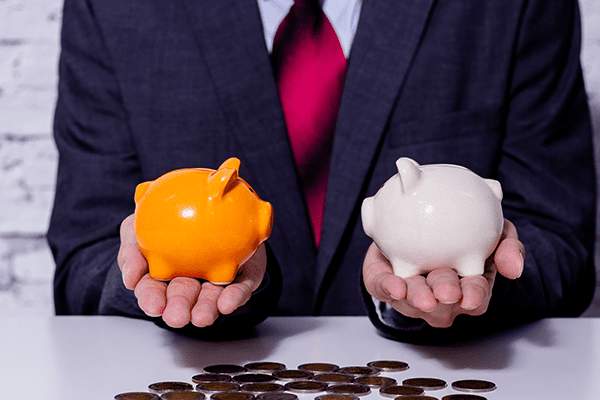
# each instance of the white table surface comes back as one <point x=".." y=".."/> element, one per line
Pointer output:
<point x="98" y="357"/>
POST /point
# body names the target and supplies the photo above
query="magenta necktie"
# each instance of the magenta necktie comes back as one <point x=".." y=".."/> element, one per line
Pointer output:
<point x="310" y="69"/>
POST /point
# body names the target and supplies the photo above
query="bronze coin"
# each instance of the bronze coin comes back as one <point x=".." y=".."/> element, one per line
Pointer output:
<point x="332" y="377"/>
<point x="337" y="397"/>
<point x="232" y="396"/>
<point x="375" y="381"/>
<point x="462" y="396"/>
<point x="228" y="369"/>
<point x="277" y="396"/>
<point x="215" y="387"/>
<point x="389" y="365"/>
<point x="292" y="375"/>
<point x="163" y="387"/>
<point x="349" y="388"/>
<point x="473" y="386"/>
<point x="183" y="395"/>
<point x="137" y="396"/>
<point x="205" y="378"/>
<point x="395" y="391"/>
<point x="262" y="387"/>
<point x="426" y="383"/>
<point x="319" y="367"/>
<point x="265" y="367"/>
<point x="306" y="387"/>
<point x="359" y="371"/>
<point x="253" y="378"/>
<point x="417" y="397"/>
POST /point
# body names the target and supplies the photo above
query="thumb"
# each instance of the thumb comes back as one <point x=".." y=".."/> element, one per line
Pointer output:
<point x="132" y="263"/>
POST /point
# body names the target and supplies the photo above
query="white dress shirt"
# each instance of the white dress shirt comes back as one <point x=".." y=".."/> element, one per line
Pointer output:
<point x="343" y="15"/>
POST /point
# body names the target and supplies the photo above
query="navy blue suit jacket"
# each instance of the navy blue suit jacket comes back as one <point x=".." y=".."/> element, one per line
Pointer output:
<point x="151" y="86"/>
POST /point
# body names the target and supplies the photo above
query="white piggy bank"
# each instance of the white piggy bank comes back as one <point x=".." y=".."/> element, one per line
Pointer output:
<point x="434" y="216"/>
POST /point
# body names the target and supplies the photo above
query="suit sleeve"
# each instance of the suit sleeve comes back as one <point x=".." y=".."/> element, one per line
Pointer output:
<point x="546" y="168"/>
<point x="97" y="175"/>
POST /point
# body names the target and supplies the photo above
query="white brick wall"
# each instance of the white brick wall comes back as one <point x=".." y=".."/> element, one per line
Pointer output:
<point x="29" y="46"/>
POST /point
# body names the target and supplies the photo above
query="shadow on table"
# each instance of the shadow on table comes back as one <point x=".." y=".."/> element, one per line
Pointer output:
<point x="493" y="352"/>
<point x="195" y="353"/>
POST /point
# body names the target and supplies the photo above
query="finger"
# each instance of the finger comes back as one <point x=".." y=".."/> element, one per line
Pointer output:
<point x="246" y="282"/>
<point x="132" y="263"/>
<point x="205" y="311"/>
<point x="181" y="296"/>
<point x="476" y="293"/>
<point x="379" y="278"/>
<point x="442" y="317"/>
<point x="445" y="285"/>
<point x="151" y="295"/>
<point x="419" y="294"/>
<point x="510" y="254"/>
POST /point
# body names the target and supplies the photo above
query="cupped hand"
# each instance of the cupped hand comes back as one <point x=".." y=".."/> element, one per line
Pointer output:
<point x="442" y="295"/>
<point x="184" y="300"/>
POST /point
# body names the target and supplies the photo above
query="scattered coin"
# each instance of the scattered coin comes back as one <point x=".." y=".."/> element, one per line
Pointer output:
<point x="319" y="367"/>
<point x="265" y="367"/>
<point x="183" y="395"/>
<point x="389" y="365"/>
<point x="426" y="383"/>
<point x="336" y="397"/>
<point x="359" y="371"/>
<point x="205" y="378"/>
<point x="375" y="381"/>
<point x="349" y="388"/>
<point x="395" y="391"/>
<point x="473" y="386"/>
<point x="262" y="387"/>
<point x="163" y="387"/>
<point x="306" y="387"/>
<point x="418" y="397"/>
<point x="332" y="377"/>
<point x="292" y="375"/>
<point x="463" y="397"/>
<point x="253" y="378"/>
<point x="216" y="387"/>
<point x="277" y="396"/>
<point x="225" y="369"/>
<point x="232" y="396"/>
<point x="137" y="396"/>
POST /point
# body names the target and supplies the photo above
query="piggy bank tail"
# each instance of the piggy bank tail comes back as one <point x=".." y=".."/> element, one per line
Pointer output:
<point x="496" y="188"/>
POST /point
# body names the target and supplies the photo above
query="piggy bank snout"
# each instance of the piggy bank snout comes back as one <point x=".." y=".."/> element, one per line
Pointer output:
<point x="367" y="215"/>
<point x="266" y="220"/>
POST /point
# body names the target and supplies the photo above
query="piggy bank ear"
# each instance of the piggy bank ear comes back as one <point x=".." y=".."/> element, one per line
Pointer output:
<point x="231" y="163"/>
<point x="140" y="190"/>
<point x="409" y="173"/>
<point x="221" y="181"/>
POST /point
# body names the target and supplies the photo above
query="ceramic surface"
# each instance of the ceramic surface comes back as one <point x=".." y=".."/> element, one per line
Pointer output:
<point x="433" y="216"/>
<point x="200" y="223"/>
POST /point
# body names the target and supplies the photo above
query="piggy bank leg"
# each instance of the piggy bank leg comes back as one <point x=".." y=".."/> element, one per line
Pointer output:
<point x="222" y="275"/>
<point x="470" y="265"/>
<point x="159" y="269"/>
<point x="405" y="269"/>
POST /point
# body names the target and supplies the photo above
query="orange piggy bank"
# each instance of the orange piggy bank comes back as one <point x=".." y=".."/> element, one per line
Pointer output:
<point x="200" y="223"/>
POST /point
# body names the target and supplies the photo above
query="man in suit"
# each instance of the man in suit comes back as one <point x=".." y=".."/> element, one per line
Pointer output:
<point x="148" y="87"/>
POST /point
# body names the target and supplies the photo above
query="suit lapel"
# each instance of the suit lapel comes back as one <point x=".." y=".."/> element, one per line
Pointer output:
<point x="231" y="41"/>
<point x="387" y="37"/>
